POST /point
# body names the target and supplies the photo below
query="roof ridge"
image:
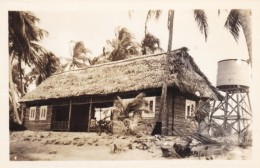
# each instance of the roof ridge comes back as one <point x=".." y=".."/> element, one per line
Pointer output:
<point x="112" y="62"/>
<point x="121" y="61"/>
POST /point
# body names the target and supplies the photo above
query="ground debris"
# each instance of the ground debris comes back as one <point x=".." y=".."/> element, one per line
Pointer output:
<point x="66" y="142"/>
<point x="169" y="151"/>
<point x="204" y="139"/>
<point x="182" y="150"/>
<point x="53" y="152"/>
<point x="120" y="146"/>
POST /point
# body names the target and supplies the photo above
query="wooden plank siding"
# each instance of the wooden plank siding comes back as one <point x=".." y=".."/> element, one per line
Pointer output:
<point x="170" y="104"/>
<point x="37" y="124"/>
<point x="180" y="123"/>
<point x="175" y="102"/>
<point x="179" y="106"/>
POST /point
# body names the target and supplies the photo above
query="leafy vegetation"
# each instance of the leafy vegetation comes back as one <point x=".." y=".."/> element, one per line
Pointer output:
<point x="123" y="45"/>
<point x="79" y="56"/>
<point x="150" y="44"/>
<point x="241" y="19"/>
<point x="26" y="53"/>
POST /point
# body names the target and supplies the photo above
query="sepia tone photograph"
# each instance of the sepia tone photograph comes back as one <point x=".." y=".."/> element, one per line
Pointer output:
<point x="130" y="84"/>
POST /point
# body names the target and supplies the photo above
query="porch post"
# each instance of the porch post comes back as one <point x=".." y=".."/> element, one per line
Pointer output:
<point x="69" y="115"/>
<point x="89" y="113"/>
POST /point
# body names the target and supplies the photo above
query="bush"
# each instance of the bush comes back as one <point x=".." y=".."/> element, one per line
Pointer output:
<point x="13" y="126"/>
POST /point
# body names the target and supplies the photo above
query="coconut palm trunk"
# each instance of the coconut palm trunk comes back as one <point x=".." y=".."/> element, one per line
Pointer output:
<point x="247" y="29"/>
<point x="201" y="19"/>
<point x="23" y="35"/>
<point x="163" y="117"/>
<point x="145" y="25"/>
<point x="12" y="88"/>
<point x="21" y="76"/>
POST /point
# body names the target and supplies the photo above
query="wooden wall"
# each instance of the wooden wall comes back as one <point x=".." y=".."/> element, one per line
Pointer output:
<point x="180" y="123"/>
<point x="175" y="101"/>
<point x="179" y="106"/>
<point x="37" y="124"/>
<point x="171" y="111"/>
<point x="176" y="110"/>
<point x="152" y="121"/>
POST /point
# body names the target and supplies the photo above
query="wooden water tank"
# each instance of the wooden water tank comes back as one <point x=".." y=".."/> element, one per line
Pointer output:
<point x="233" y="73"/>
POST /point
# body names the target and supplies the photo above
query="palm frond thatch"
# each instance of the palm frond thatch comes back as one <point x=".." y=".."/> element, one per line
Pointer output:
<point x="135" y="74"/>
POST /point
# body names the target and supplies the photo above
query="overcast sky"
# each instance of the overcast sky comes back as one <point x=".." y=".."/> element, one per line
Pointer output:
<point x="95" y="27"/>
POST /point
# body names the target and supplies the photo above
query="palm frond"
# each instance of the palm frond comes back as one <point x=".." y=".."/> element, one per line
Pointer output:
<point x="130" y="14"/>
<point x="109" y="42"/>
<point x="150" y="41"/>
<point x="151" y="14"/>
<point x="79" y="64"/>
<point x="135" y="105"/>
<point x="233" y="23"/>
<point x="79" y="49"/>
<point x="154" y="13"/>
<point x="201" y="19"/>
<point x="123" y="44"/>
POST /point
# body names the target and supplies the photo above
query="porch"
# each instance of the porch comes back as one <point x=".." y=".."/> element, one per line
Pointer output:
<point x="77" y="117"/>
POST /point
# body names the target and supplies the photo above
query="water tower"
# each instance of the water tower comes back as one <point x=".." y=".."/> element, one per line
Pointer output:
<point x="233" y="113"/>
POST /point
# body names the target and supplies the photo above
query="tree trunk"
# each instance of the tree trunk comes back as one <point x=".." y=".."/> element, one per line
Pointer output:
<point x="170" y="27"/>
<point x="163" y="117"/>
<point x="145" y="24"/>
<point x="12" y="88"/>
<point x="21" y="76"/>
<point x="245" y="16"/>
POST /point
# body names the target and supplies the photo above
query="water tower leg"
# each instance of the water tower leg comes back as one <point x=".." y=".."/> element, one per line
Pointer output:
<point x="212" y="111"/>
<point x="249" y="103"/>
<point x="225" y="112"/>
<point x="238" y="113"/>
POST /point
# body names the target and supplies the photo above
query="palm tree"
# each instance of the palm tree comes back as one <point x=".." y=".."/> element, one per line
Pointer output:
<point x="151" y="14"/>
<point x="14" y="91"/>
<point x="79" y="56"/>
<point x="241" y="18"/>
<point x="131" y="113"/>
<point x="23" y="38"/>
<point x="50" y="64"/>
<point x="150" y="44"/>
<point x="199" y="16"/>
<point x="123" y="45"/>
<point x="201" y="19"/>
<point x="23" y="47"/>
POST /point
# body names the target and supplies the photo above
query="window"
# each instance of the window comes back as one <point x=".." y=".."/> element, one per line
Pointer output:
<point x="43" y="113"/>
<point x="189" y="109"/>
<point x="32" y="113"/>
<point x="151" y="107"/>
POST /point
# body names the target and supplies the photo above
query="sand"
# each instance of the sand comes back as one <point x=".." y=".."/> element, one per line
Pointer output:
<point x="63" y="146"/>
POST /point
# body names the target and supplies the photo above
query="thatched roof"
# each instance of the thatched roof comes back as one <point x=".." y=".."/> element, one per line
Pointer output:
<point x="132" y="74"/>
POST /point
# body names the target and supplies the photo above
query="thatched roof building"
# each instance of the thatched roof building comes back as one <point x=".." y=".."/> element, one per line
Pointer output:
<point x="144" y="72"/>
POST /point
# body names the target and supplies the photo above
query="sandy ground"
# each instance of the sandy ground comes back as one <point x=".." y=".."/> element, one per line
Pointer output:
<point x="30" y="145"/>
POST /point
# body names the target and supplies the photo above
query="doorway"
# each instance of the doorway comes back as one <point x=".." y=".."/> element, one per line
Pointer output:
<point x="60" y="118"/>
<point x="79" y="118"/>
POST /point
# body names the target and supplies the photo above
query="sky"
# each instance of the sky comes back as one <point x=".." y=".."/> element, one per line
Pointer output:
<point x="95" y="27"/>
